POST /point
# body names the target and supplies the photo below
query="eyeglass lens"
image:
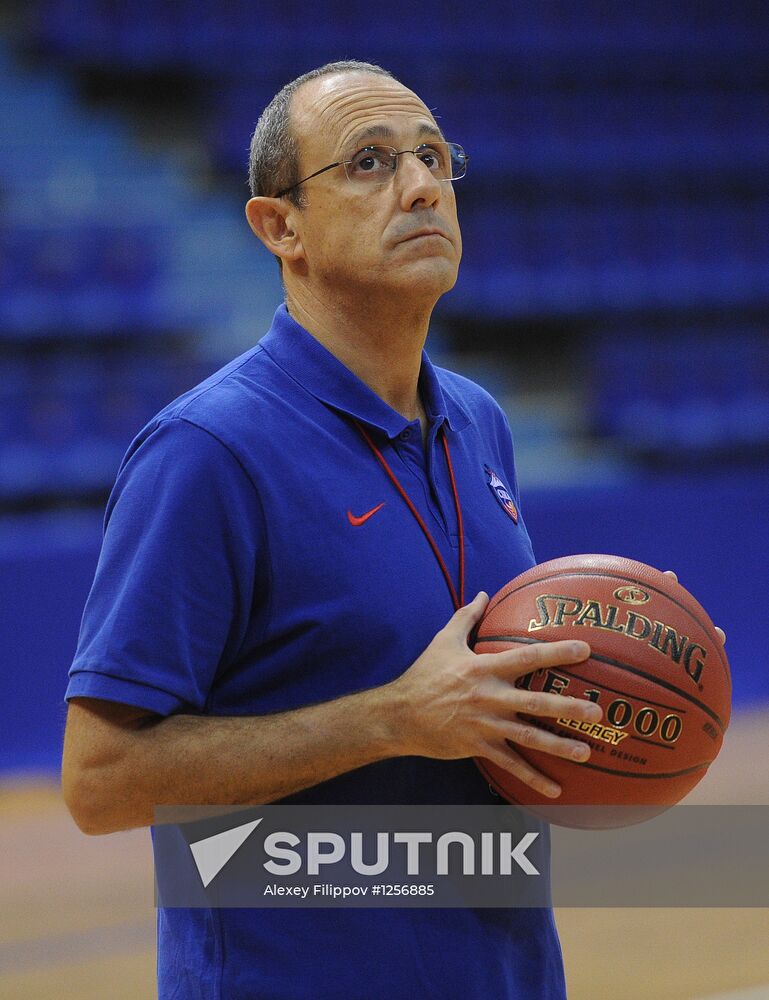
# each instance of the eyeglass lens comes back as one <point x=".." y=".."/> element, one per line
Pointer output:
<point x="446" y="160"/>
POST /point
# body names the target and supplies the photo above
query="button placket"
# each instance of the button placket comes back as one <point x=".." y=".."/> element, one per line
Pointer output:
<point x="421" y="462"/>
<point x="457" y="593"/>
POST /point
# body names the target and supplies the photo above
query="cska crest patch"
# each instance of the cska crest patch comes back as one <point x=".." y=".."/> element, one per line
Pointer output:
<point x="499" y="490"/>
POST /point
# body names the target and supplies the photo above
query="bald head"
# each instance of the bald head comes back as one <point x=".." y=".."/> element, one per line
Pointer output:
<point x="334" y="115"/>
<point x="274" y="157"/>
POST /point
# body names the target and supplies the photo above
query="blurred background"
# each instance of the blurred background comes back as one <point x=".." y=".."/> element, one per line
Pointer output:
<point x="613" y="294"/>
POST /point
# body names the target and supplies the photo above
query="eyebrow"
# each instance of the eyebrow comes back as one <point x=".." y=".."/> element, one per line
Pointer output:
<point x="385" y="132"/>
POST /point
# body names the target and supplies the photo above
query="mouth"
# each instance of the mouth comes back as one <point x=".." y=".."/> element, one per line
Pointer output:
<point x="422" y="233"/>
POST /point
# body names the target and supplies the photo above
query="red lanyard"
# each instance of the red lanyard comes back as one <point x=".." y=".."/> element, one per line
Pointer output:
<point x="458" y="599"/>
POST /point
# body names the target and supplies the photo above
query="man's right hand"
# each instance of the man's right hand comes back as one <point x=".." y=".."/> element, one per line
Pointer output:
<point x="121" y="761"/>
<point x="457" y="703"/>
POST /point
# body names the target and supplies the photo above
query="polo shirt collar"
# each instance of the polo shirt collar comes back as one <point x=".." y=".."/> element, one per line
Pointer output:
<point x="323" y="375"/>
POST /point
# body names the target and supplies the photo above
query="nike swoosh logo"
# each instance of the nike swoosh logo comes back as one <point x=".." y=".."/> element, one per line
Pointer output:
<point x="356" y="522"/>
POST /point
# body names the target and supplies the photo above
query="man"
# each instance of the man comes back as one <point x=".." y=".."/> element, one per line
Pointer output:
<point x="279" y="610"/>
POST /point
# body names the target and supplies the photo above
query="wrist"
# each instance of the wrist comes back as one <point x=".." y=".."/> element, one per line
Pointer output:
<point x="387" y="711"/>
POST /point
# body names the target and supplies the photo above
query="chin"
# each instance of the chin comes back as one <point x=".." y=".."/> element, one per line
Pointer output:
<point x="438" y="279"/>
<point x="438" y="275"/>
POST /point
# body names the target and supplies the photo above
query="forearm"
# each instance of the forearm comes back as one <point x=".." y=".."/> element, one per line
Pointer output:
<point x="187" y="759"/>
<point x="121" y="763"/>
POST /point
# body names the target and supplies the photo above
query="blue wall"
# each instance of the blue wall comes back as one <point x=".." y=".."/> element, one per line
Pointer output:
<point x="46" y="568"/>
<point x="711" y="530"/>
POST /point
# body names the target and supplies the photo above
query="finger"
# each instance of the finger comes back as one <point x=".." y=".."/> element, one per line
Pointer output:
<point x="554" y="706"/>
<point x="533" y="738"/>
<point x="512" y="762"/>
<point x="463" y="621"/>
<point x="669" y="572"/>
<point x="528" y="656"/>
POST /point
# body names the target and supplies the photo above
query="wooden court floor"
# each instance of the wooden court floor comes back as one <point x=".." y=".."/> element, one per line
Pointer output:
<point x="77" y="918"/>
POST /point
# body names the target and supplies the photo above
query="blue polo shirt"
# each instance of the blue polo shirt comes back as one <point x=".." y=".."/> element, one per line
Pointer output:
<point x="239" y="576"/>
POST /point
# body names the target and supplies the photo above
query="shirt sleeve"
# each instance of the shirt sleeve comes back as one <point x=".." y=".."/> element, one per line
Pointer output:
<point x="177" y="575"/>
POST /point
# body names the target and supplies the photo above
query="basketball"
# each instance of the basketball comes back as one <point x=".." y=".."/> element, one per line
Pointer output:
<point x="657" y="668"/>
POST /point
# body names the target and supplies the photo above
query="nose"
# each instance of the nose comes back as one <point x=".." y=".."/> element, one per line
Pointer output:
<point x="418" y="186"/>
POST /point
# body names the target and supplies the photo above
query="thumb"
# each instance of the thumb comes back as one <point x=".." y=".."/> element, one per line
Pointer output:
<point x="466" y="618"/>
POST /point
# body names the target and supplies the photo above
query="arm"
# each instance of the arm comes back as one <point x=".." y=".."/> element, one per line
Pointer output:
<point x="120" y="762"/>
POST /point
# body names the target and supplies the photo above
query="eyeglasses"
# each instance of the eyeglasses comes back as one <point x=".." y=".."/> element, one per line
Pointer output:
<point x="374" y="166"/>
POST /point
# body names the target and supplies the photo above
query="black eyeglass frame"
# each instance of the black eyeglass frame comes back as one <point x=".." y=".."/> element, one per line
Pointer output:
<point x="396" y="153"/>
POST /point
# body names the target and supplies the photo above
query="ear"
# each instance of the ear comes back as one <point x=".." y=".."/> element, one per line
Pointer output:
<point x="272" y="220"/>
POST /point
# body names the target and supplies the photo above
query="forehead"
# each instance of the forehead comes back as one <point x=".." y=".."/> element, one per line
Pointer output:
<point x="329" y="112"/>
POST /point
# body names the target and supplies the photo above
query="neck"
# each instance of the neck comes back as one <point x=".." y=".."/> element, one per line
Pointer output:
<point x="382" y="346"/>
